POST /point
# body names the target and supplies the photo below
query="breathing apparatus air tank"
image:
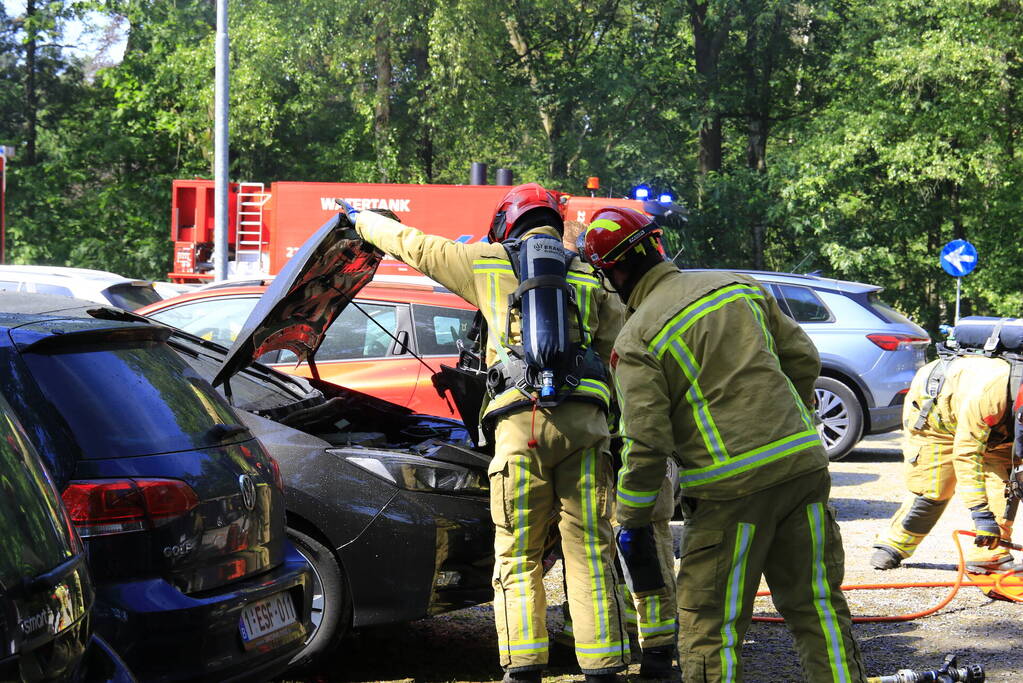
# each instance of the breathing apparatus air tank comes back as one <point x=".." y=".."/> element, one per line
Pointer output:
<point x="545" y="309"/>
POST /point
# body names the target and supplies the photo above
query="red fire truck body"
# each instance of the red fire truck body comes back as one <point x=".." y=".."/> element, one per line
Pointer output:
<point x="267" y="226"/>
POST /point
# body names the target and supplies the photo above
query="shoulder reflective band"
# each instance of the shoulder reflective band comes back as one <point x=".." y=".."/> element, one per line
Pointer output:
<point x="696" y="310"/>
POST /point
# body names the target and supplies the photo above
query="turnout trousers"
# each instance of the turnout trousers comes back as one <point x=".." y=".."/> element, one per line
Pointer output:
<point x="568" y="472"/>
<point x="654" y="614"/>
<point x="788" y="534"/>
<point x="931" y="480"/>
<point x="652" y="618"/>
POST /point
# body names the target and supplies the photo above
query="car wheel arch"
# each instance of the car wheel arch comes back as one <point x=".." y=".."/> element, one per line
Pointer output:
<point x="294" y="520"/>
<point x="849" y="380"/>
<point x="317" y="649"/>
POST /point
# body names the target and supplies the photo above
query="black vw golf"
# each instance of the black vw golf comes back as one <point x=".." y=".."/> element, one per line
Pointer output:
<point x="181" y="508"/>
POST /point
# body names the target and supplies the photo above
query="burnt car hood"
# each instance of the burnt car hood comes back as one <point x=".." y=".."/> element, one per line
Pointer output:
<point x="305" y="298"/>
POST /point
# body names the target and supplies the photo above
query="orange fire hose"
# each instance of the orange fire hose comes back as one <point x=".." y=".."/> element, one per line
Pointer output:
<point x="995" y="581"/>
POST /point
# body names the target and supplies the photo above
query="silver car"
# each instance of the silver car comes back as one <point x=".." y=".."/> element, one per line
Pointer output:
<point x="869" y="353"/>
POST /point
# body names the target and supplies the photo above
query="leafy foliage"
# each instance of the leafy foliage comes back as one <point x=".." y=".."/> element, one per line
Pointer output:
<point x="854" y="137"/>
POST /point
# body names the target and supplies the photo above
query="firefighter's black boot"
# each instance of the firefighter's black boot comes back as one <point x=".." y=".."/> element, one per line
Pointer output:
<point x="602" y="678"/>
<point x="885" y="558"/>
<point x="656" y="662"/>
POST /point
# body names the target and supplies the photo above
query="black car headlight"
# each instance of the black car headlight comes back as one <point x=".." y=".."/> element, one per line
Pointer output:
<point x="416" y="473"/>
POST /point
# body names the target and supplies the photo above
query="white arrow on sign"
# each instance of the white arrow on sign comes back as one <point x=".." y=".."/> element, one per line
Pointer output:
<point x="957" y="258"/>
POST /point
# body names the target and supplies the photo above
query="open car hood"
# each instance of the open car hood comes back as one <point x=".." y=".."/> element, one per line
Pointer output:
<point x="305" y="298"/>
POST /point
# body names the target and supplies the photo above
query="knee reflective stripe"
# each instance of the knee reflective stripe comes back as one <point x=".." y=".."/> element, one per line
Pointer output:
<point x="526" y="647"/>
<point x="591" y="536"/>
<point x="652" y="621"/>
<point x="822" y="598"/>
<point x="923" y="515"/>
<point x="733" y="601"/>
<point x="612" y="647"/>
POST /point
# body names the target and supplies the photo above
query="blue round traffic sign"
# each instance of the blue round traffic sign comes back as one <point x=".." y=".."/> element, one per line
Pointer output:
<point x="958" y="258"/>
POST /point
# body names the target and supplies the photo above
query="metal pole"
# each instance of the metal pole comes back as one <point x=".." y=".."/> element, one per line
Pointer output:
<point x="3" y="206"/>
<point x="220" y="178"/>
<point x="959" y="281"/>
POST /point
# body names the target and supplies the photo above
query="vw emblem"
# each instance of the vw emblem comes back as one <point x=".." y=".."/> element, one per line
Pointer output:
<point x="248" y="488"/>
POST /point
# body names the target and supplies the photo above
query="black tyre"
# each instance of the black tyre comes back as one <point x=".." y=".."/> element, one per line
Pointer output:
<point x="332" y="606"/>
<point x="841" y="417"/>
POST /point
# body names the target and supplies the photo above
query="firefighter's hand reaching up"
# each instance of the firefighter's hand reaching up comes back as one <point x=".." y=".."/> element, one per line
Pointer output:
<point x="988" y="532"/>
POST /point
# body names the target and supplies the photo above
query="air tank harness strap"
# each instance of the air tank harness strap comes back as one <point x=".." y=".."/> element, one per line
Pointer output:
<point x="539" y="281"/>
<point x="935" y="381"/>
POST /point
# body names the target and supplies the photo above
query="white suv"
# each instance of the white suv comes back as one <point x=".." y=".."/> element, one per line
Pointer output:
<point x="80" y="283"/>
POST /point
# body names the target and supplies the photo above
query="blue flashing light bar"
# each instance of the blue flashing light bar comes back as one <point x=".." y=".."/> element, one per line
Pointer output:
<point x="641" y="192"/>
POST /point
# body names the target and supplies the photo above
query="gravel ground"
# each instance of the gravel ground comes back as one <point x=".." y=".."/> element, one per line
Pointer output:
<point x="867" y="488"/>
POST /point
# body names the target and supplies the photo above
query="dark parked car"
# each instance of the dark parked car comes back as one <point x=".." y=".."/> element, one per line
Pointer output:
<point x="391" y="508"/>
<point x="180" y="507"/>
<point x="46" y="594"/>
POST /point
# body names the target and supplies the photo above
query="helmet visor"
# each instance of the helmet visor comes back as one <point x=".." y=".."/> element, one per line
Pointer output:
<point x="498" y="226"/>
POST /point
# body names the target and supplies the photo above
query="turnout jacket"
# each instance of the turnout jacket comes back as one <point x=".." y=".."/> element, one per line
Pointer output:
<point x="711" y="372"/>
<point x="481" y="274"/>
<point x="968" y="415"/>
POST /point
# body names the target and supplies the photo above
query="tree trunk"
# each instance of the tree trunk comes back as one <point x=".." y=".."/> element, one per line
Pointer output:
<point x="31" y="96"/>
<point x="421" y="59"/>
<point x="382" y="117"/>
<point x="707" y="44"/>
<point x="553" y="127"/>
<point x="758" y="96"/>
<point x="756" y="143"/>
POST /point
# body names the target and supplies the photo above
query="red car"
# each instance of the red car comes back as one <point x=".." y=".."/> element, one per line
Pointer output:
<point x="371" y="347"/>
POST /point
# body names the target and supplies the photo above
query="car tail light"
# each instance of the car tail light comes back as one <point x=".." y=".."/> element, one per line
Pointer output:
<point x="278" y="479"/>
<point x="891" y="342"/>
<point x="114" y="506"/>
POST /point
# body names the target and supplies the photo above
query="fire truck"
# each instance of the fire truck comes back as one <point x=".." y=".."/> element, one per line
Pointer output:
<point x="266" y="226"/>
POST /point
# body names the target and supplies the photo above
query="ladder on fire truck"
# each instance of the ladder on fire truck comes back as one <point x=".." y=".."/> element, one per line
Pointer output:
<point x="248" y="253"/>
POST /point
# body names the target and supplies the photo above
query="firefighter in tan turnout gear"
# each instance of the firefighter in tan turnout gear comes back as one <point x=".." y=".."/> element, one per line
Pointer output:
<point x="551" y="442"/>
<point x="710" y="372"/>
<point x="959" y="441"/>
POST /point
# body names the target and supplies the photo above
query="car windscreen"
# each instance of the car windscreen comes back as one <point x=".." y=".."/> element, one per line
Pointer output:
<point x="886" y="311"/>
<point x="125" y="400"/>
<point x="129" y="296"/>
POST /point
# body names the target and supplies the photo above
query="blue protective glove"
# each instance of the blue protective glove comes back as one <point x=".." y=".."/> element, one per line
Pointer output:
<point x="989" y="534"/>
<point x="639" y="552"/>
<point x="349" y="211"/>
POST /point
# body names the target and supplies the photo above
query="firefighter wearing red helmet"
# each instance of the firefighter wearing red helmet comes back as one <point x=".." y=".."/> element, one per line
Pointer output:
<point x="710" y="372"/>
<point x="547" y="459"/>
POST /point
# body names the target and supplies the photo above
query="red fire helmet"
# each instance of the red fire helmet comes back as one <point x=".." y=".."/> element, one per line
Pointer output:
<point x="520" y="200"/>
<point x="614" y="232"/>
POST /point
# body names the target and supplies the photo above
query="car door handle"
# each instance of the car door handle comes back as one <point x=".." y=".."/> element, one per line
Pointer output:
<point x="400" y="345"/>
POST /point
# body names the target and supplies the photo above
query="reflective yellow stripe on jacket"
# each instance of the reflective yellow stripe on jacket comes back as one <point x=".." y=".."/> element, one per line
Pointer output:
<point x="670" y="341"/>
